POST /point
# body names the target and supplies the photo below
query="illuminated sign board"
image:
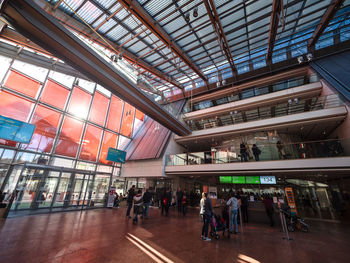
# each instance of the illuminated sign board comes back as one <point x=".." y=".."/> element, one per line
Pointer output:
<point x="247" y="179"/>
<point x="267" y="179"/>
<point x="238" y="179"/>
<point x="14" y="130"/>
<point x="252" y="179"/>
<point x="116" y="155"/>
<point x="225" y="179"/>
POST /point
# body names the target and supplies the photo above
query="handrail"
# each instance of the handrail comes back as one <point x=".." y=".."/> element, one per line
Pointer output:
<point x="269" y="151"/>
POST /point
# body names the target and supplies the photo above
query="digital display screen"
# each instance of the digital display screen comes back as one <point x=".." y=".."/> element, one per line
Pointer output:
<point x="252" y="180"/>
<point x="225" y="179"/>
<point x="238" y="179"/>
<point x="267" y="179"/>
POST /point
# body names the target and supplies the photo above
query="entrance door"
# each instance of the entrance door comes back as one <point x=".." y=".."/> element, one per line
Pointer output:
<point x="30" y="189"/>
<point x="80" y="190"/>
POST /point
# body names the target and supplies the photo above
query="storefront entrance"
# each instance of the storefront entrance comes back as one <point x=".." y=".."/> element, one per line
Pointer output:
<point x="41" y="188"/>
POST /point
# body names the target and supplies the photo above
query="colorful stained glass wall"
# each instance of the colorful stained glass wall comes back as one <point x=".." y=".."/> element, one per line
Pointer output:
<point x="75" y="118"/>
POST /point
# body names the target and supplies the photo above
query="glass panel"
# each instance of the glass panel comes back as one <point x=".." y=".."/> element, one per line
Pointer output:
<point x="128" y="119"/>
<point x="64" y="79"/>
<point x="115" y="113"/>
<point x="62" y="195"/>
<point x="14" y="107"/>
<point x="3" y="171"/>
<point x="55" y="94"/>
<point x="123" y="142"/>
<point x="12" y="181"/>
<point x="99" y="190"/>
<point x="91" y="143"/>
<point x="7" y="156"/>
<point x="109" y="140"/>
<point x="62" y="162"/>
<point x="87" y="85"/>
<point x="23" y="84"/>
<point x="48" y="190"/>
<point x="69" y="139"/>
<point x="5" y="63"/>
<point x="79" y="190"/>
<point x="30" y="70"/>
<point x="79" y="103"/>
<point x="46" y="121"/>
<point x="99" y="109"/>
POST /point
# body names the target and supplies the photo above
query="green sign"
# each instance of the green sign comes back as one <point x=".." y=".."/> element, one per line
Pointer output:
<point x="238" y="179"/>
<point x="225" y="179"/>
<point x="252" y="179"/>
<point x="116" y="155"/>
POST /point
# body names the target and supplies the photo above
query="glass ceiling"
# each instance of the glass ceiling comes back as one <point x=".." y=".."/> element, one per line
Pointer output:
<point x="246" y="25"/>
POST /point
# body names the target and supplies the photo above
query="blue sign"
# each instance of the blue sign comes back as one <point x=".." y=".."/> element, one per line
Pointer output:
<point x="116" y="155"/>
<point x="14" y="130"/>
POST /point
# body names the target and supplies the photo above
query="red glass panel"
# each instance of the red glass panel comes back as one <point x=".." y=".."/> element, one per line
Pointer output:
<point x="99" y="109"/>
<point x="23" y="84"/>
<point x="90" y="143"/>
<point x="139" y="115"/>
<point x="69" y="138"/>
<point x="54" y="94"/>
<point x="115" y="114"/>
<point x="109" y="140"/>
<point x="128" y="118"/>
<point x="46" y="121"/>
<point x="15" y="107"/>
<point x="79" y="103"/>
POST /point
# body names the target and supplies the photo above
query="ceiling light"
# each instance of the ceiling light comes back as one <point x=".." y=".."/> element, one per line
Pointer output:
<point x="120" y="56"/>
<point x="224" y="82"/>
<point x="290" y="101"/>
<point x="309" y="56"/>
<point x="187" y="17"/>
<point x="218" y="84"/>
<point x="296" y="100"/>
<point x="195" y="12"/>
<point x="300" y="59"/>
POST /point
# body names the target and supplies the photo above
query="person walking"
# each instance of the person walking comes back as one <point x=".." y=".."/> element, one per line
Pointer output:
<point x="256" y="152"/>
<point x="130" y="199"/>
<point x="147" y="198"/>
<point x="207" y="210"/>
<point x="243" y="151"/>
<point x="163" y="201"/>
<point x="268" y="203"/>
<point x="137" y="205"/>
<point x="184" y="203"/>
<point x="234" y="205"/>
<point x="244" y="208"/>
<point x="179" y="194"/>
<point x="168" y="204"/>
<point x="280" y="149"/>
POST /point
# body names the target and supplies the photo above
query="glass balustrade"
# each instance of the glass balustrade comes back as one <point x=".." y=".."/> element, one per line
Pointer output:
<point x="265" y="152"/>
<point x="291" y="106"/>
<point x="252" y="92"/>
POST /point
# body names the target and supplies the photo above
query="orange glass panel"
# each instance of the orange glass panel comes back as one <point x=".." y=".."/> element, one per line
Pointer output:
<point x="69" y="138"/>
<point x="54" y="94"/>
<point x="115" y="114"/>
<point x="46" y="121"/>
<point x="128" y="119"/>
<point x="79" y="103"/>
<point x="109" y="140"/>
<point x="99" y="109"/>
<point x="90" y="143"/>
<point x="23" y="84"/>
<point x="15" y="107"/>
<point x="139" y="115"/>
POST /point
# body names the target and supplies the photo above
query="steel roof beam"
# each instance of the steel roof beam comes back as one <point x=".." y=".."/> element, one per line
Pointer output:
<point x="215" y="20"/>
<point x="276" y="11"/>
<point x="327" y="17"/>
<point x="75" y="25"/>
<point x="46" y="31"/>
<point x="137" y="10"/>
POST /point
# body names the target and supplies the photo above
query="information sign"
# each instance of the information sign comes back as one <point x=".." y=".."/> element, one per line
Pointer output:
<point x="116" y="155"/>
<point x="252" y="180"/>
<point x="238" y="179"/>
<point x="267" y="179"/>
<point x="14" y="130"/>
<point x="225" y="179"/>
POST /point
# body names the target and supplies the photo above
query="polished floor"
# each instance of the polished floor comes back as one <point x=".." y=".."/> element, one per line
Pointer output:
<point x="105" y="235"/>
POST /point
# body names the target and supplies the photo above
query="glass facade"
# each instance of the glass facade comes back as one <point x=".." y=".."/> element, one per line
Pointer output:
<point x="76" y="122"/>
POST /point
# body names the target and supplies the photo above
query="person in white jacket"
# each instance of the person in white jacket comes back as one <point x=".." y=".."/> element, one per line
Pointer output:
<point x="138" y="203"/>
<point x="234" y="206"/>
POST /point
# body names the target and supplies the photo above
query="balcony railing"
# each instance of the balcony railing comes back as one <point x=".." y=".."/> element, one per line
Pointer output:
<point x="268" y="152"/>
<point x="291" y="106"/>
<point x="252" y="92"/>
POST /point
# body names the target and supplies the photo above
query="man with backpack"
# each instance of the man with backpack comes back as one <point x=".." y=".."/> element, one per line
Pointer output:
<point x="147" y="198"/>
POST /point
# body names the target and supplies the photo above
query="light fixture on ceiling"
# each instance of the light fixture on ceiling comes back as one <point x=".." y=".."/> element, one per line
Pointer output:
<point x="195" y="12"/>
<point x="224" y="82"/>
<point x="296" y="100"/>
<point x="120" y="56"/>
<point x="290" y="101"/>
<point x="300" y="59"/>
<point x="309" y="56"/>
<point x="114" y="58"/>
<point x="187" y="17"/>
<point x="218" y="84"/>
<point x="235" y="112"/>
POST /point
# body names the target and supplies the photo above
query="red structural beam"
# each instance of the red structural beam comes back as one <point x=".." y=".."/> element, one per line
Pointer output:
<point x="327" y="17"/>
<point x="276" y="10"/>
<point x="137" y="10"/>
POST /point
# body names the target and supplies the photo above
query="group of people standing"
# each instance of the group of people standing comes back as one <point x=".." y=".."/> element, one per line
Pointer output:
<point x="243" y="149"/>
<point x="141" y="203"/>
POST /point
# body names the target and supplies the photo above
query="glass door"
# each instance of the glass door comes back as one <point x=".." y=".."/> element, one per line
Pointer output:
<point x="47" y="190"/>
<point x="30" y="189"/>
<point x="80" y="189"/>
